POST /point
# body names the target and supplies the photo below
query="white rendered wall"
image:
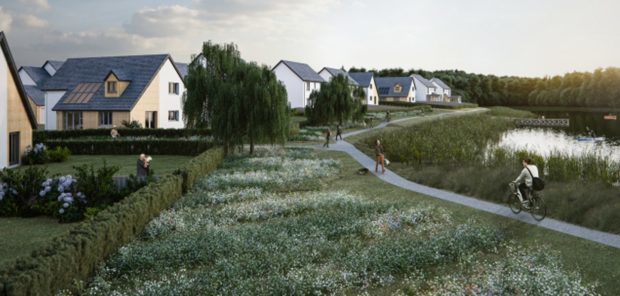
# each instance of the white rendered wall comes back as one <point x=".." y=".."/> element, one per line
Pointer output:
<point x="421" y="91"/>
<point x="4" y="93"/>
<point x="26" y="80"/>
<point x="326" y="75"/>
<point x="51" y="99"/>
<point x="170" y="102"/>
<point x="373" y="93"/>
<point x="295" y="87"/>
<point x="314" y="86"/>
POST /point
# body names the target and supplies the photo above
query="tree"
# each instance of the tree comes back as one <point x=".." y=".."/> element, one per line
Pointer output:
<point x="336" y="101"/>
<point x="240" y="101"/>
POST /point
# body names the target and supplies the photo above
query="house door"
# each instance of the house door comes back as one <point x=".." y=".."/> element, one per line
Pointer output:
<point x="14" y="148"/>
<point x="150" y="119"/>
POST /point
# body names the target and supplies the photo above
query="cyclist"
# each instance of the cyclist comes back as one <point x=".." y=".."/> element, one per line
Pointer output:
<point x="525" y="180"/>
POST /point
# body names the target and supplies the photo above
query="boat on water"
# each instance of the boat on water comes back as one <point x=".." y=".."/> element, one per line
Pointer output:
<point x="610" y="117"/>
<point x="590" y="139"/>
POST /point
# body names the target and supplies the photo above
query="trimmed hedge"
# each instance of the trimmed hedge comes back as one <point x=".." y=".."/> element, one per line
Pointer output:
<point x="39" y="136"/>
<point x="76" y="255"/>
<point x="439" y="105"/>
<point x="150" y="146"/>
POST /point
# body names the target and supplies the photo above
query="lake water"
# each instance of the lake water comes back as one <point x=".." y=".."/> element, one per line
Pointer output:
<point x="569" y="140"/>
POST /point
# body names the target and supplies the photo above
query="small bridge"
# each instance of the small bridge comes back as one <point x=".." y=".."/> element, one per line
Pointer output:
<point x="546" y="122"/>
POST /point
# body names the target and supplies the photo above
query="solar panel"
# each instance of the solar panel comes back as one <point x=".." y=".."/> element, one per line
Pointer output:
<point x="82" y="93"/>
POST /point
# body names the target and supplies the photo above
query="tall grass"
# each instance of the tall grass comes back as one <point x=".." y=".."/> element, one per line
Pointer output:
<point x="509" y="112"/>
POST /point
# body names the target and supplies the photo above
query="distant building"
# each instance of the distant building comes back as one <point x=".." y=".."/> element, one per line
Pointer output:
<point x="426" y="90"/>
<point x="329" y="73"/>
<point x="105" y="91"/>
<point x="16" y="117"/>
<point x="33" y="79"/>
<point x="366" y="80"/>
<point x="396" y="89"/>
<point x="442" y="88"/>
<point x="299" y="79"/>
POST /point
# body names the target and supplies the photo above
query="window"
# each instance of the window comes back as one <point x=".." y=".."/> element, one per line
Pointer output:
<point x="173" y="115"/>
<point x="111" y="85"/>
<point x="173" y="88"/>
<point x="14" y="148"/>
<point x="150" y="120"/>
<point x="370" y="86"/>
<point x="398" y="88"/>
<point x="73" y="120"/>
<point x="105" y="118"/>
<point x="307" y="85"/>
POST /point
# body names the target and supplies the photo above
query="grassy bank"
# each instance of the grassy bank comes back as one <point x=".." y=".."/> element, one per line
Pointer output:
<point x="307" y="224"/>
<point x="21" y="236"/>
<point x="452" y="154"/>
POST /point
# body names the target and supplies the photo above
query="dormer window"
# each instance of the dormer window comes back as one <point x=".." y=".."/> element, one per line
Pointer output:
<point x="398" y="88"/>
<point x="111" y="87"/>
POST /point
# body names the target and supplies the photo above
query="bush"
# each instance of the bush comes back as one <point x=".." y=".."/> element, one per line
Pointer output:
<point x="59" y="154"/>
<point x="439" y="105"/>
<point x="131" y="124"/>
<point x="124" y="146"/>
<point x="73" y="257"/>
<point x="19" y="191"/>
<point x="36" y="155"/>
<point x="40" y="136"/>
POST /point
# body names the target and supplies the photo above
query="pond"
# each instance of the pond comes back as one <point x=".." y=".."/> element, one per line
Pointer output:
<point x="588" y="133"/>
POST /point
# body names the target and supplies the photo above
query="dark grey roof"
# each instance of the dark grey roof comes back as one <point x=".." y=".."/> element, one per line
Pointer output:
<point x="120" y="74"/>
<point x="37" y="96"/>
<point x="39" y="75"/>
<point x="8" y="56"/>
<point x="183" y="69"/>
<point x="423" y="80"/>
<point x="55" y="64"/>
<point x="362" y="78"/>
<point x="139" y="70"/>
<point x="335" y="72"/>
<point x="303" y="71"/>
<point x="440" y="83"/>
<point x="385" y="86"/>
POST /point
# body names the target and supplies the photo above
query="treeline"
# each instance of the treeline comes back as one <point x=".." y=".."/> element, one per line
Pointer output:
<point x="600" y="88"/>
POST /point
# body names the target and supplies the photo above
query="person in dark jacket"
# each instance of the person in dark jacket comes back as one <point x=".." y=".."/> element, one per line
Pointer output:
<point x="142" y="166"/>
<point x="328" y="134"/>
<point x="338" y="132"/>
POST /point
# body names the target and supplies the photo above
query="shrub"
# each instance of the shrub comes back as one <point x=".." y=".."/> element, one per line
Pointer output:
<point x="98" y="184"/>
<point x="19" y="190"/>
<point x="131" y="124"/>
<point x="36" y="155"/>
<point x="59" y="154"/>
<point x="126" y="146"/>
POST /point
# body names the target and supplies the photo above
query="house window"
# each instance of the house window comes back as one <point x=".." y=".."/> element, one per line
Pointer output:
<point x="398" y="88"/>
<point x="173" y="115"/>
<point x="111" y="85"/>
<point x="307" y="85"/>
<point x="173" y="88"/>
<point x="370" y="86"/>
<point x="14" y="148"/>
<point x="73" y="120"/>
<point x="105" y="118"/>
<point x="150" y="119"/>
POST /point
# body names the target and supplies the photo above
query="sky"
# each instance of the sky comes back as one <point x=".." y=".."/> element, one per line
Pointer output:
<point x="501" y="37"/>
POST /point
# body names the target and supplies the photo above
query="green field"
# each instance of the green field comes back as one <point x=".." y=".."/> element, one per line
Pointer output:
<point x="21" y="236"/>
<point x="161" y="164"/>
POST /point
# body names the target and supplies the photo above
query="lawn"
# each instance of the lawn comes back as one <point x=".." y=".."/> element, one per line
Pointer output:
<point x="161" y="164"/>
<point x="306" y="223"/>
<point x="21" y="236"/>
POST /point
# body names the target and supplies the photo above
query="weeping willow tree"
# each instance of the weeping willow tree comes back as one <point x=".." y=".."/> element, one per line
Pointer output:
<point x="240" y="101"/>
<point x="336" y="101"/>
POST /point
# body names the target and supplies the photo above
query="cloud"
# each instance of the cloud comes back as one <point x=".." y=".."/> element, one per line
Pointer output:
<point x="31" y="21"/>
<point x="5" y="20"/>
<point x="165" y="21"/>
<point x="41" y="4"/>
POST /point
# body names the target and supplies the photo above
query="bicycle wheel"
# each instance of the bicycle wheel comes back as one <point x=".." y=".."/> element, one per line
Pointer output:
<point x="539" y="209"/>
<point x="514" y="203"/>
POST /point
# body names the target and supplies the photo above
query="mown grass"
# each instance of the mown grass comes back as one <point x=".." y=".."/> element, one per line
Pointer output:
<point x="21" y="236"/>
<point x="161" y="164"/>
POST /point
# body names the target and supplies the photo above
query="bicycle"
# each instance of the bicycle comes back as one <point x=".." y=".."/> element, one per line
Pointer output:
<point x="535" y="204"/>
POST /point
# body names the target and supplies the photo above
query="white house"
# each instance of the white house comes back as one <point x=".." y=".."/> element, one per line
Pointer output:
<point x="396" y="89"/>
<point x="16" y="117"/>
<point x="442" y="89"/>
<point x="366" y="80"/>
<point x="299" y="79"/>
<point x="105" y="91"/>
<point x="33" y="79"/>
<point x="329" y="73"/>
<point x="426" y="90"/>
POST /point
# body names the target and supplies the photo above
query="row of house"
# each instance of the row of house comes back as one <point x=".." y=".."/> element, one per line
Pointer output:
<point x="300" y="80"/>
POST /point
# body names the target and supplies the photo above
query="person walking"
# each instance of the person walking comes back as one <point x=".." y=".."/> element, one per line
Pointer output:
<point x="380" y="157"/>
<point x="142" y="167"/>
<point x="338" y="132"/>
<point x="388" y="117"/>
<point x="328" y="134"/>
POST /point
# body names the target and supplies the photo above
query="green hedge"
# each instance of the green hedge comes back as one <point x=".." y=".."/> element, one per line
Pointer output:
<point x="76" y="255"/>
<point x="39" y="136"/>
<point x="439" y="105"/>
<point x="150" y="146"/>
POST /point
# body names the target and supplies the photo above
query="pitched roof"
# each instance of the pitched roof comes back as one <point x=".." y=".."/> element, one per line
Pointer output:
<point x="140" y="70"/>
<point x="183" y="69"/>
<point x="55" y="64"/>
<point x="303" y="71"/>
<point x="37" y="96"/>
<point x="423" y="80"/>
<point x="362" y="78"/>
<point x="20" y="87"/>
<point x="385" y="86"/>
<point x="39" y="75"/>
<point x="440" y="83"/>
<point x="335" y="72"/>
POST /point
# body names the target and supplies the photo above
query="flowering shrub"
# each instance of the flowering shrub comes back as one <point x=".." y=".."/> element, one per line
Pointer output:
<point x="39" y="154"/>
<point x="19" y="191"/>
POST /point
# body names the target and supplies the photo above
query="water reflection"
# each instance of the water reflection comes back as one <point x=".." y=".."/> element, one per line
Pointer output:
<point x="545" y="141"/>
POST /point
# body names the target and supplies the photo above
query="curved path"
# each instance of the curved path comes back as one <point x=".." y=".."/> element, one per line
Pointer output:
<point x="394" y="179"/>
